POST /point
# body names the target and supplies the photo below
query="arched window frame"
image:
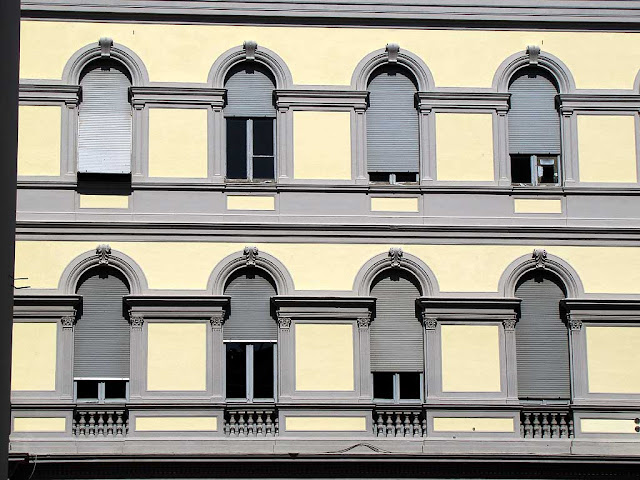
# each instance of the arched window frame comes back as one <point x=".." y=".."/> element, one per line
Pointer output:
<point x="532" y="56"/>
<point x="250" y="51"/>
<point x="105" y="48"/>
<point x="394" y="55"/>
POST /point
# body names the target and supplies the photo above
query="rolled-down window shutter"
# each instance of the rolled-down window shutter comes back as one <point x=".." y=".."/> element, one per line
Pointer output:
<point x="396" y="332"/>
<point x="101" y="334"/>
<point x="534" y="121"/>
<point x="249" y="91"/>
<point x="250" y="317"/>
<point x="392" y="122"/>
<point x="104" y="128"/>
<point x="542" y="340"/>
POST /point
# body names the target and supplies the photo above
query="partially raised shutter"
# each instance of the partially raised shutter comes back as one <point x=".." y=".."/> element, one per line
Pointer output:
<point x="542" y="340"/>
<point x="396" y="332"/>
<point x="250" y="317"/>
<point x="392" y="122"/>
<point x="249" y="91"/>
<point x="101" y="334"/>
<point x="104" y="128"/>
<point x="534" y="122"/>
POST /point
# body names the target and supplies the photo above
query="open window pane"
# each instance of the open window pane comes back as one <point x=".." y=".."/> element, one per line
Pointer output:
<point x="236" y="370"/>
<point x="521" y="169"/>
<point x="410" y="386"/>
<point x="383" y="385"/>
<point x="547" y="170"/>
<point x="263" y="370"/>
<point x="236" y="148"/>
<point x="87" y="390"/>
<point x="115" y="389"/>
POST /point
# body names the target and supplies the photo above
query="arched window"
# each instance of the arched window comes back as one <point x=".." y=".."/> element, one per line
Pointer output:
<point x="534" y="128"/>
<point x="393" y="150"/>
<point x="250" y="334"/>
<point x="101" y="337"/>
<point x="251" y="122"/>
<point x="542" y="339"/>
<point x="104" y="124"/>
<point x="397" y="359"/>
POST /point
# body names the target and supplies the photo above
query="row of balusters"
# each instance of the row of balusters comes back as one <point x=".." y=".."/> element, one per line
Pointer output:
<point x="546" y="425"/>
<point x="399" y="424"/>
<point x="251" y="423"/>
<point x="105" y="423"/>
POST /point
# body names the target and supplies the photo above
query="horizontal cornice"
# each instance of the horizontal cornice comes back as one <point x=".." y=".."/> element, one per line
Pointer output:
<point x="579" y="14"/>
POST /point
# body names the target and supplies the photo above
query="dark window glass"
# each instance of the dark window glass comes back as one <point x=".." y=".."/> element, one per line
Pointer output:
<point x="410" y="386"/>
<point x="115" y="389"/>
<point x="236" y="148"/>
<point x="405" y="177"/>
<point x="236" y="370"/>
<point x="383" y="385"/>
<point x="87" y="389"/>
<point x="263" y="370"/>
<point x="547" y="170"/>
<point x="263" y="158"/>
<point x="520" y="169"/>
<point x="378" y="177"/>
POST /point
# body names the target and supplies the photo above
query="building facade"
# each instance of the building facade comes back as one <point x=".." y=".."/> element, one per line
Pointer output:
<point x="298" y="239"/>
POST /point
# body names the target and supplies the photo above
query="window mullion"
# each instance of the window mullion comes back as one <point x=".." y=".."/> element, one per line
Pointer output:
<point x="249" y="149"/>
<point x="249" y="372"/>
<point x="396" y="388"/>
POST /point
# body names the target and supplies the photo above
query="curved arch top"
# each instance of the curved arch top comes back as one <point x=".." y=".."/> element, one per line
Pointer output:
<point x="551" y="263"/>
<point x="123" y="263"/>
<point x="549" y="62"/>
<point x="395" y="258"/>
<point x="405" y="58"/>
<point x="91" y="52"/>
<point x="250" y="257"/>
<point x="238" y="54"/>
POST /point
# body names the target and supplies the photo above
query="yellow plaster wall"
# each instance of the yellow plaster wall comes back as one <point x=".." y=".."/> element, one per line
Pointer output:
<point x="537" y="205"/>
<point x="613" y="359"/>
<point x="322" y="145"/>
<point x="324" y="357"/>
<point x="607" y="148"/>
<point x="103" y="201"/>
<point x="176" y="424"/>
<point x="39" y="134"/>
<point x="318" y="266"/>
<point x="39" y="424"/>
<point x="473" y="424"/>
<point x="394" y="204"/>
<point x="178" y="142"/>
<point x="249" y="202"/>
<point x="470" y="358"/>
<point x="177" y="356"/>
<point x="33" y="356"/>
<point x="331" y="54"/>
<point x="608" y="425"/>
<point x="464" y="146"/>
<point x="325" y="424"/>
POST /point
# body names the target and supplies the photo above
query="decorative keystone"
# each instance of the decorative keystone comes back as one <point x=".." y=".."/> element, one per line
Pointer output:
<point x="540" y="257"/>
<point x="395" y="254"/>
<point x="250" y="48"/>
<point x="106" y="44"/>
<point x="533" y="52"/>
<point x="104" y="252"/>
<point x="250" y="254"/>
<point x="392" y="52"/>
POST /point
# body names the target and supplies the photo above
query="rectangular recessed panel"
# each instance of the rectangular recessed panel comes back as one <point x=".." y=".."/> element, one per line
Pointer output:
<point x="176" y="424"/>
<point x="246" y="202"/>
<point x="326" y="424"/>
<point x="613" y="359"/>
<point x="608" y="425"/>
<point x="104" y="201"/>
<point x="391" y="204"/>
<point x="33" y="356"/>
<point x="537" y="205"/>
<point x="473" y="424"/>
<point x="39" y="424"/>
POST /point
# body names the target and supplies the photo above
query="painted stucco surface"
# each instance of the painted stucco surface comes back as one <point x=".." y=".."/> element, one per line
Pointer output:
<point x="473" y="424"/>
<point x="176" y="424"/>
<point x="39" y="424"/>
<point x="39" y="140"/>
<point x="537" y="205"/>
<point x="33" y="356"/>
<point x="325" y="424"/>
<point x="613" y="359"/>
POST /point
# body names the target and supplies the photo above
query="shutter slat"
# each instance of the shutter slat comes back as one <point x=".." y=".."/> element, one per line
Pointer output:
<point x="392" y="123"/>
<point x="101" y="334"/>
<point x="250" y="307"/>
<point x="104" y="129"/>
<point x="249" y="92"/>
<point x="542" y="341"/>
<point x="396" y="332"/>
<point x="534" y="122"/>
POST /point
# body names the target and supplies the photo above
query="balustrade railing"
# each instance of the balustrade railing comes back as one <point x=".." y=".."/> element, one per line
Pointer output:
<point x="546" y="424"/>
<point x="399" y="423"/>
<point x="251" y="423"/>
<point x="100" y="423"/>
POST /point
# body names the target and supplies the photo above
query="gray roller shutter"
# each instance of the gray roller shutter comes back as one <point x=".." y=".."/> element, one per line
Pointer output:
<point x="534" y="122"/>
<point x="104" y="128"/>
<point x="396" y="332"/>
<point x="542" y="340"/>
<point x="250" y="309"/>
<point x="392" y="122"/>
<point x="101" y="334"/>
<point x="249" y="91"/>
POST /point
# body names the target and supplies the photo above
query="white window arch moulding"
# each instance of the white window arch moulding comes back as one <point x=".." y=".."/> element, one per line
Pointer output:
<point x="534" y="56"/>
<point x="250" y="257"/>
